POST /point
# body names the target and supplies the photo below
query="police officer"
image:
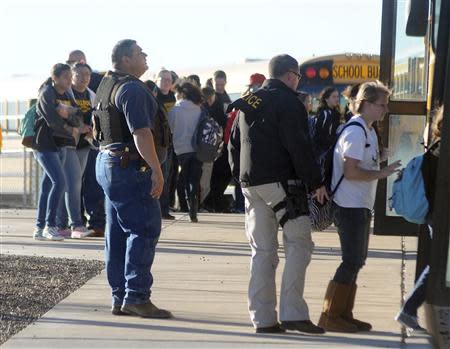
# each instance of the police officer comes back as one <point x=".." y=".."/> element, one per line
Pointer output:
<point x="276" y="161"/>
<point x="128" y="170"/>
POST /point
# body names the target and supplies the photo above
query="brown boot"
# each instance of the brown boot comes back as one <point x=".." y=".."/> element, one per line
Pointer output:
<point x="98" y="233"/>
<point x="147" y="310"/>
<point x="334" y="306"/>
<point x="348" y="315"/>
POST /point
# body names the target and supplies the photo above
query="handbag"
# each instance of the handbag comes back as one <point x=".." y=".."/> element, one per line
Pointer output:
<point x="321" y="215"/>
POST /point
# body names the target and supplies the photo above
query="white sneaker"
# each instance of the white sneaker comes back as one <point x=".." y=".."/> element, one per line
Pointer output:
<point x="410" y="322"/>
<point x="37" y="234"/>
<point x="51" y="233"/>
<point x="81" y="232"/>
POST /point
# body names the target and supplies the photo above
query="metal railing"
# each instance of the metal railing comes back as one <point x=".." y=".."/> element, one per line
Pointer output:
<point x="19" y="172"/>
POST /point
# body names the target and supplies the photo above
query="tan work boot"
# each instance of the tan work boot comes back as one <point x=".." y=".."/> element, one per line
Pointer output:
<point x="146" y="310"/>
<point x="348" y="315"/>
<point x="334" y="306"/>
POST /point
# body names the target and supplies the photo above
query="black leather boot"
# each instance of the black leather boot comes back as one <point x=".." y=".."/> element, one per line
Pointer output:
<point x="193" y="209"/>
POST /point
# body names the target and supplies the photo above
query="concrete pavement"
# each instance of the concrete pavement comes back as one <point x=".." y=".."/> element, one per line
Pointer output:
<point x="201" y="274"/>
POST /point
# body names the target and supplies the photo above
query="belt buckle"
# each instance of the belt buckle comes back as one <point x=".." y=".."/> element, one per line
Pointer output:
<point x="115" y="154"/>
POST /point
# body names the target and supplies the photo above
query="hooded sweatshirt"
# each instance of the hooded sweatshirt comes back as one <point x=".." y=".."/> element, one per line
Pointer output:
<point x="183" y="120"/>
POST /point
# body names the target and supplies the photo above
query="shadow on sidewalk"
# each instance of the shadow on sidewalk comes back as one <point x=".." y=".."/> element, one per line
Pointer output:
<point x="373" y="253"/>
<point x="392" y="340"/>
<point x="201" y="248"/>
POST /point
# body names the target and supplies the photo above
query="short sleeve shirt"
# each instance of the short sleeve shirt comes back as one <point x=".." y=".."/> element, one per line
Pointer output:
<point x="353" y="143"/>
<point x="138" y="106"/>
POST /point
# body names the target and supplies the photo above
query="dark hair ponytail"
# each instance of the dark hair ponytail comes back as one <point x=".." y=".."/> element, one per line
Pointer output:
<point x="189" y="91"/>
<point x="47" y="82"/>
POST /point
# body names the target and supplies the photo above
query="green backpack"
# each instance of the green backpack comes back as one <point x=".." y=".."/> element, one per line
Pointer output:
<point x="26" y="128"/>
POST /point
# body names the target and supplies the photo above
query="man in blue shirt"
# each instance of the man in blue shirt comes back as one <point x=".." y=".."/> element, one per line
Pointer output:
<point x="130" y="174"/>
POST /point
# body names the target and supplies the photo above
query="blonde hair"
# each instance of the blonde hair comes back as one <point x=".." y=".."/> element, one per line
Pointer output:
<point x="368" y="92"/>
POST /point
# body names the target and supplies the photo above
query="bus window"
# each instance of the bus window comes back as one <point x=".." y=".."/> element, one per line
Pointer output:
<point x="436" y="15"/>
<point x="405" y="142"/>
<point x="410" y="68"/>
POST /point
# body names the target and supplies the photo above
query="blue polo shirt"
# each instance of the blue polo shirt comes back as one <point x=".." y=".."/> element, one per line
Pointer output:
<point x="137" y="104"/>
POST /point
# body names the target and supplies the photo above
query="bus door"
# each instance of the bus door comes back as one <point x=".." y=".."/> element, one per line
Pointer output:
<point x="418" y="71"/>
<point x="438" y="291"/>
<point x="403" y="67"/>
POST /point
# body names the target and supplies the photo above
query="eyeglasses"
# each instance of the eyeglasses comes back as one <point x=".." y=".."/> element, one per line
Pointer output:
<point x="299" y="76"/>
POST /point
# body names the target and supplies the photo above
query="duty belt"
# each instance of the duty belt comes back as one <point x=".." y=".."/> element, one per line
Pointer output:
<point x="126" y="156"/>
<point x="120" y="153"/>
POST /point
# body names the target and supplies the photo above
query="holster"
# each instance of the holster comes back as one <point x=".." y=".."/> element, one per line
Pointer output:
<point x="126" y="156"/>
<point x="295" y="203"/>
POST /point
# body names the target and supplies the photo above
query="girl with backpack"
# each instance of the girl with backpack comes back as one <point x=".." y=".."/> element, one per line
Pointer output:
<point x="328" y="119"/>
<point x="407" y="315"/>
<point x="56" y="127"/>
<point x="356" y="171"/>
<point x="183" y="120"/>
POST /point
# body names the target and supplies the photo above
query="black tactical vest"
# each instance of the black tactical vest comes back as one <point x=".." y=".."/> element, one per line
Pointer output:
<point x="110" y="125"/>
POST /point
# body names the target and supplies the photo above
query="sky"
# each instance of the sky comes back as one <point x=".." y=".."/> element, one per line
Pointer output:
<point x="176" y="34"/>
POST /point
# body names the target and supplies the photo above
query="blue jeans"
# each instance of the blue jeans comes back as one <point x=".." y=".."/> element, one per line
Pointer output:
<point x="417" y="296"/>
<point x="44" y="190"/>
<point x="92" y="193"/>
<point x="133" y="226"/>
<point x="353" y="225"/>
<point x="52" y="187"/>
<point x="74" y="168"/>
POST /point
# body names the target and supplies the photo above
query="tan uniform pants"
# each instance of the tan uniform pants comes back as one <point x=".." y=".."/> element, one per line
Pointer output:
<point x="261" y="224"/>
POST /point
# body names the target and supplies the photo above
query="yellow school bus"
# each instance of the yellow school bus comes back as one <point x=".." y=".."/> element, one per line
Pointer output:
<point x="338" y="71"/>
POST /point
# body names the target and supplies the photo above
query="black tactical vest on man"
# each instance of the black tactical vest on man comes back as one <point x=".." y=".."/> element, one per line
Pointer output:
<point x="110" y="125"/>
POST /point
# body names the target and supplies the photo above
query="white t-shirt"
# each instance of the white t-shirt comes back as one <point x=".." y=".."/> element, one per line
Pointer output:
<point x="353" y="144"/>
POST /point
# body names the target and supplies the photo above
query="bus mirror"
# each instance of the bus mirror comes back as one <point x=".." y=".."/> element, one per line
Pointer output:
<point x="417" y="17"/>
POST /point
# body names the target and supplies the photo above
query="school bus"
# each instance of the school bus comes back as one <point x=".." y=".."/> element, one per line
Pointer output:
<point x="338" y="71"/>
<point x="415" y="64"/>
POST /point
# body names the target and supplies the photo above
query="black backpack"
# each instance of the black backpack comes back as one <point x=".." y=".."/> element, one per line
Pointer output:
<point x="325" y="159"/>
<point x="208" y="138"/>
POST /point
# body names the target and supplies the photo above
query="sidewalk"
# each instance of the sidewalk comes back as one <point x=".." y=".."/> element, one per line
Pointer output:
<point x="201" y="274"/>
